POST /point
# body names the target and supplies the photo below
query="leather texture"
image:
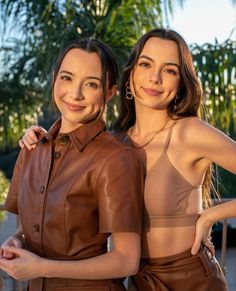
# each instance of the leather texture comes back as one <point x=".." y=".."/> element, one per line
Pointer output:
<point x="72" y="192"/>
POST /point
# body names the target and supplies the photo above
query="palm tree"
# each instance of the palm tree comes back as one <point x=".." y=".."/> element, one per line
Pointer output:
<point x="216" y="69"/>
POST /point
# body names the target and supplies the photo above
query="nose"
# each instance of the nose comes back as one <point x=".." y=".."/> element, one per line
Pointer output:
<point x="155" y="77"/>
<point x="76" y="92"/>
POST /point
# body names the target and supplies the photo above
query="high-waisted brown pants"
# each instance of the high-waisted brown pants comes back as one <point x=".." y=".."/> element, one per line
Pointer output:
<point x="181" y="272"/>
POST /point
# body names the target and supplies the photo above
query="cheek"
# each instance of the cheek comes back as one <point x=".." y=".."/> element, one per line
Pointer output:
<point x="173" y="84"/>
<point x="99" y="102"/>
<point x="58" y="90"/>
<point x="95" y="101"/>
<point x="139" y="75"/>
<point x="136" y="80"/>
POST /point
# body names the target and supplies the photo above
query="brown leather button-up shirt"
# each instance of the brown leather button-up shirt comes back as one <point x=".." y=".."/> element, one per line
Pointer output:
<point x="75" y="189"/>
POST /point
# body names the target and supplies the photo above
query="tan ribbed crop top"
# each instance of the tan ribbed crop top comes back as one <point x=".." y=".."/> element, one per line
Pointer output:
<point x="167" y="194"/>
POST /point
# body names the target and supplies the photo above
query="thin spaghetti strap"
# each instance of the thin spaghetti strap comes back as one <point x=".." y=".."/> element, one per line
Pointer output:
<point x="168" y="138"/>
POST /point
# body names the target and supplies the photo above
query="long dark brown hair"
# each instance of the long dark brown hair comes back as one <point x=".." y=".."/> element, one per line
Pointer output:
<point x="109" y="65"/>
<point x="189" y="100"/>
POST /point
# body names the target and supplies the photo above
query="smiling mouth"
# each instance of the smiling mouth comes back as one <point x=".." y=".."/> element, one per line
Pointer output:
<point x="73" y="107"/>
<point x="152" y="92"/>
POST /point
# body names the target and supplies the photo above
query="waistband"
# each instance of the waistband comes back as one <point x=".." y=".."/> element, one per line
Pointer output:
<point x="182" y="271"/>
<point x="170" y="221"/>
<point x="182" y="261"/>
<point x="172" y="260"/>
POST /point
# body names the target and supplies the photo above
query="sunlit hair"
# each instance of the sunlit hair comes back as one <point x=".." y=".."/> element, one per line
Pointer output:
<point x="108" y="62"/>
<point x="189" y="93"/>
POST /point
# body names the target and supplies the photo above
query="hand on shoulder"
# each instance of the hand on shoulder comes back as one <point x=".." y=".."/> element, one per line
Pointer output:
<point x="31" y="136"/>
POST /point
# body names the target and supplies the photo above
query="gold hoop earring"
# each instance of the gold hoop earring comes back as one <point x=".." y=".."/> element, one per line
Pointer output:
<point x="128" y="93"/>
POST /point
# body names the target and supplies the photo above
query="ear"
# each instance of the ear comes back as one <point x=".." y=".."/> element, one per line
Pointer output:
<point x="110" y="93"/>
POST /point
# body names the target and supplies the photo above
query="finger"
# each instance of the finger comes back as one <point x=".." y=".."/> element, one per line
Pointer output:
<point x="17" y="252"/>
<point x="40" y="129"/>
<point x="21" y="144"/>
<point x="31" y="134"/>
<point x="8" y="255"/>
<point x="30" y="137"/>
<point x="196" y="246"/>
<point x="28" y="144"/>
<point x="34" y="131"/>
<point x="5" y="253"/>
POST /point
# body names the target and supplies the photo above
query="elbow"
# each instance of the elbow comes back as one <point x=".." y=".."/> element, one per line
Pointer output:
<point x="133" y="271"/>
<point x="132" y="266"/>
<point x="127" y="254"/>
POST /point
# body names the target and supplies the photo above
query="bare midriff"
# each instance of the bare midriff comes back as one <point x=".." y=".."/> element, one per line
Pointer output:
<point x="166" y="241"/>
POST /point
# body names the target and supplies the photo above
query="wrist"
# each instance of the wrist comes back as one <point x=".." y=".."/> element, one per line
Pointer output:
<point x="45" y="268"/>
<point x="206" y="218"/>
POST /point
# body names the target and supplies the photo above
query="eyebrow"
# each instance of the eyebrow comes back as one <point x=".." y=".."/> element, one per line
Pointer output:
<point x="88" y="77"/>
<point x="150" y="59"/>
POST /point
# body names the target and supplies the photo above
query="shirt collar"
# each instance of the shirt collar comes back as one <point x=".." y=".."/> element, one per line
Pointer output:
<point x="80" y="137"/>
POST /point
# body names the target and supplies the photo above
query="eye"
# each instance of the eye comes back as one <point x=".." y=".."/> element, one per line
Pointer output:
<point x="171" y="71"/>
<point x="144" y="65"/>
<point x="92" y="85"/>
<point x="65" y="78"/>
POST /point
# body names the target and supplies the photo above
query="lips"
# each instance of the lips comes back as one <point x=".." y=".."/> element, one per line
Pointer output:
<point x="152" y="92"/>
<point x="73" y="107"/>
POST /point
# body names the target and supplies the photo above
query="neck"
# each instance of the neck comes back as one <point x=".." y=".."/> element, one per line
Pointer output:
<point x="67" y="127"/>
<point x="149" y="120"/>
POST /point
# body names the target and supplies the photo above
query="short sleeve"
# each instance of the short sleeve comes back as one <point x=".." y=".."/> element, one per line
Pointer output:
<point x="119" y="188"/>
<point x="11" y="203"/>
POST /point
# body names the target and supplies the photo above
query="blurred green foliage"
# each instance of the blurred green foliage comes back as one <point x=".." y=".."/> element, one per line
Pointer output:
<point x="4" y="185"/>
<point x="216" y="68"/>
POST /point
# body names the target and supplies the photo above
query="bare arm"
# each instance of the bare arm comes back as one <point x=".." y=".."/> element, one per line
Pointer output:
<point x="210" y="144"/>
<point x="122" y="261"/>
<point x="207" y="219"/>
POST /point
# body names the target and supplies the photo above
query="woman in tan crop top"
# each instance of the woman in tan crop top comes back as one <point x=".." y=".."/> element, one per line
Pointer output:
<point x="160" y="101"/>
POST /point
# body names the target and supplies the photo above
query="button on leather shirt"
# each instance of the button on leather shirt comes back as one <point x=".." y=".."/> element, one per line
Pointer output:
<point x="75" y="189"/>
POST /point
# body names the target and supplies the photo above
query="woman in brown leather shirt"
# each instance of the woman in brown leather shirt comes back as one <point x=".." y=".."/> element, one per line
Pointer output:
<point x="77" y="187"/>
<point x="160" y="101"/>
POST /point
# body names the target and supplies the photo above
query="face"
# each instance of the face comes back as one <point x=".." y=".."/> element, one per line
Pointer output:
<point x="78" y="90"/>
<point x="156" y="76"/>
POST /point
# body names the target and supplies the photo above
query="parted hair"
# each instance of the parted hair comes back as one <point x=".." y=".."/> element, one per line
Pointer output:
<point x="108" y="61"/>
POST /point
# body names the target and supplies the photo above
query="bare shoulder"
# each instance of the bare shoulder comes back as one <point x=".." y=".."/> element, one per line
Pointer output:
<point x="193" y="130"/>
<point x="193" y="123"/>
